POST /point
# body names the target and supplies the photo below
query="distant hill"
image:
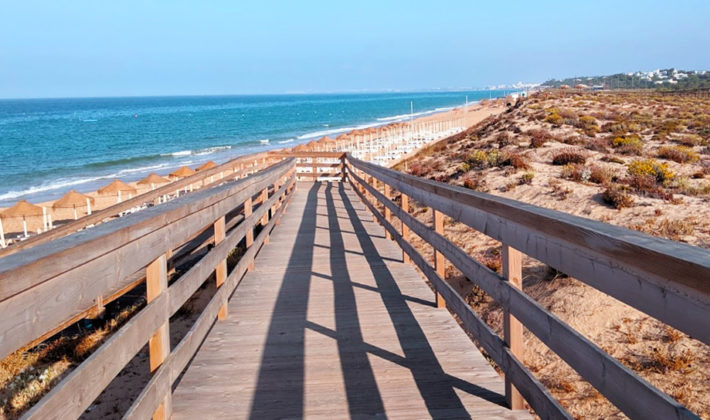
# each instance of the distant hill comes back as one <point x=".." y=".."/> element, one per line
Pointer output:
<point x="668" y="79"/>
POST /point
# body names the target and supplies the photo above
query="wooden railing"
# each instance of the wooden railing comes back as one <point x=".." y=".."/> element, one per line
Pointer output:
<point x="45" y="285"/>
<point x="667" y="280"/>
<point x="234" y="169"/>
<point x="315" y="166"/>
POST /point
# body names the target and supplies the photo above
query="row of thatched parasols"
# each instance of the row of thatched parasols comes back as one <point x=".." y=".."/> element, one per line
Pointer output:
<point x="76" y="200"/>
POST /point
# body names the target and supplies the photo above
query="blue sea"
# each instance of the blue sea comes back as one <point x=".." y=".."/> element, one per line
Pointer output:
<point x="48" y="146"/>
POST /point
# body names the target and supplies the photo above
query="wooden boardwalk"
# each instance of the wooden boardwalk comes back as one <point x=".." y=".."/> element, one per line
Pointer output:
<point x="332" y="324"/>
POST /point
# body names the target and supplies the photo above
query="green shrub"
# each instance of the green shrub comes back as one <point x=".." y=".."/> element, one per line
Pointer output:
<point x="650" y="167"/>
<point x="527" y="178"/>
<point x="628" y="145"/>
<point x="477" y="159"/>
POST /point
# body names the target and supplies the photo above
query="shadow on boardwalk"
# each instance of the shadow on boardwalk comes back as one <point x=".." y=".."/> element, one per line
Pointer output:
<point x="280" y="387"/>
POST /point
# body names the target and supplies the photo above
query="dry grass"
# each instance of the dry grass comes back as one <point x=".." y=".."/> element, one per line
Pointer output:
<point x="28" y="374"/>
<point x="608" y="186"/>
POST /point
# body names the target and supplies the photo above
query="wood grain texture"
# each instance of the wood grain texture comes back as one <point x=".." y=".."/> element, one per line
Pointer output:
<point x="620" y="385"/>
<point x="330" y="323"/>
<point x="668" y="280"/>
<point x="57" y="280"/>
<point x="512" y="263"/>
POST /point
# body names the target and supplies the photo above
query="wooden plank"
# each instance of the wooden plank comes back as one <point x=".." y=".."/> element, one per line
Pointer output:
<point x="405" y="228"/>
<point x="159" y="343"/>
<point x="70" y="397"/>
<point x="606" y="374"/>
<point x="512" y="263"/>
<point x="663" y="278"/>
<point x="166" y="375"/>
<point x="129" y="243"/>
<point x="439" y="261"/>
<point x="388" y="213"/>
<point x="221" y="270"/>
<point x="534" y="392"/>
<point x="244" y="370"/>
<point x="189" y="282"/>
<point x="23" y="270"/>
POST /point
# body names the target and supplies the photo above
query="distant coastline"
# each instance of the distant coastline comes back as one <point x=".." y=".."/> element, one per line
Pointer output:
<point x="110" y="138"/>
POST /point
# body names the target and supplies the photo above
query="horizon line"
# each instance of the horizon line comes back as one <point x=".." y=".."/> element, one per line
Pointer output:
<point x="293" y="93"/>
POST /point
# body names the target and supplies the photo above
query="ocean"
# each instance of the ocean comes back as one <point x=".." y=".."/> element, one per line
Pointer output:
<point x="48" y="146"/>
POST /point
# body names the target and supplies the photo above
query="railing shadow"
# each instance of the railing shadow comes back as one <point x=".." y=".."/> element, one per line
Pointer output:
<point x="280" y="385"/>
<point x="435" y="386"/>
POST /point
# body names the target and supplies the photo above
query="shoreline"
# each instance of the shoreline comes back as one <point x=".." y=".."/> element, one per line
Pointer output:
<point x="14" y="226"/>
<point x="89" y="181"/>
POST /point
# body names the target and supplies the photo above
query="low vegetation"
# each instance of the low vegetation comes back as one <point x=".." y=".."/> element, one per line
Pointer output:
<point x="638" y="160"/>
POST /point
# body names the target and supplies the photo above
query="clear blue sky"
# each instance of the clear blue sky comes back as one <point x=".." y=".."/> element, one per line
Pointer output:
<point x="123" y="48"/>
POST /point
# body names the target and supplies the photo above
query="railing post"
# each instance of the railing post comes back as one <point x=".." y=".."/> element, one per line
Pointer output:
<point x="405" y="228"/>
<point x="512" y="328"/>
<point x="342" y="168"/>
<point x="250" y="229"/>
<point x="315" y="168"/>
<point x="371" y="197"/>
<point x="159" y="344"/>
<point x="221" y="269"/>
<point x="265" y="217"/>
<point x="388" y="212"/>
<point x="439" y="262"/>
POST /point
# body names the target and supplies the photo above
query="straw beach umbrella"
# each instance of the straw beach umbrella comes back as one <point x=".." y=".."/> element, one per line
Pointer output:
<point x="22" y="209"/>
<point x="72" y="200"/>
<point x="182" y="172"/>
<point x="153" y="179"/>
<point x="117" y="187"/>
<point x="207" y="165"/>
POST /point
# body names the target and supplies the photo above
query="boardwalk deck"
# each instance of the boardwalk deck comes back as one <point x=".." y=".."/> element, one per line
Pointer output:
<point x="332" y="324"/>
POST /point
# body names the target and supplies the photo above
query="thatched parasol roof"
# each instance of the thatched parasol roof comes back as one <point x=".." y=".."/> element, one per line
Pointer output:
<point x="116" y="186"/>
<point x="182" y="172"/>
<point x="300" y="148"/>
<point x="153" y="178"/>
<point x="21" y="209"/>
<point x="72" y="199"/>
<point x="207" y="165"/>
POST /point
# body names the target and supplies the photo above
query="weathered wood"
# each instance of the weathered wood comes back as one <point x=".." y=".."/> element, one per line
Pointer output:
<point x="73" y="394"/>
<point x="159" y="342"/>
<point x="176" y="362"/>
<point x="534" y="392"/>
<point x="388" y="213"/>
<point x="189" y="282"/>
<point x="99" y="261"/>
<point x="294" y="345"/>
<point x="250" y="232"/>
<point x="512" y="329"/>
<point x="405" y="228"/>
<point x="439" y="261"/>
<point x="665" y="279"/>
<point x="221" y="270"/>
<point x="621" y="386"/>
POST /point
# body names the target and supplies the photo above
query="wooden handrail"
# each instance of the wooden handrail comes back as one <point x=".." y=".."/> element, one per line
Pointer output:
<point x="489" y="214"/>
<point x="154" y="232"/>
<point x="63" y="277"/>
<point x="147" y="197"/>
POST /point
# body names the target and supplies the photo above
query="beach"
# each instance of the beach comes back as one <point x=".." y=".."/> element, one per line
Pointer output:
<point x="411" y="135"/>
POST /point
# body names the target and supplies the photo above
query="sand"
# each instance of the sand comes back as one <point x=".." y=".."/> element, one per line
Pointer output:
<point x="13" y="227"/>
